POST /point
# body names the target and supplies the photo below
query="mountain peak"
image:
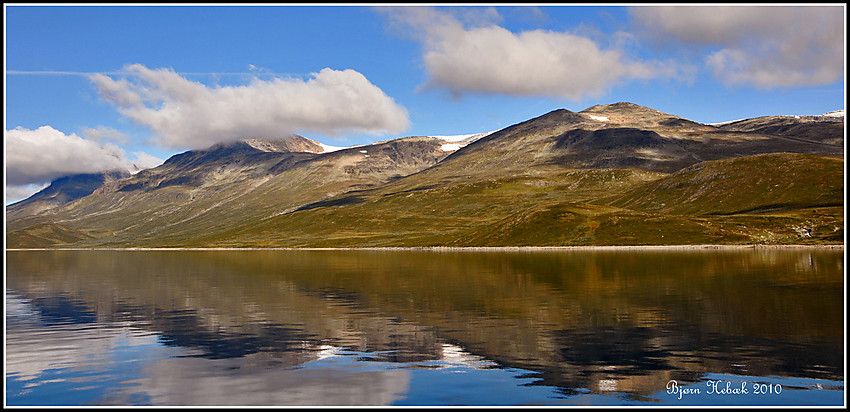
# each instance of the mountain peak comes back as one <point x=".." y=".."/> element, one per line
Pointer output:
<point x="238" y="149"/>
<point x="556" y="119"/>
<point x="558" y="116"/>
<point x="291" y="143"/>
<point x="635" y="115"/>
<point x="63" y="190"/>
<point x="621" y="108"/>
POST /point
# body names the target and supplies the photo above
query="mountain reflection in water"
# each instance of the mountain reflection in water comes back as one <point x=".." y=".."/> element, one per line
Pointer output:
<point x="320" y="327"/>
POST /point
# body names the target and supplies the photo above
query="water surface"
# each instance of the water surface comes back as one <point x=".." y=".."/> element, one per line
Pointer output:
<point x="368" y="327"/>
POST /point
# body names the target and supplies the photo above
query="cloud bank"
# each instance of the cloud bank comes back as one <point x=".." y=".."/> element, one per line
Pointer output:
<point x="40" y="156"/>
<point x="763" y="46"/>
<point x="493" y="60"/>
<point x="187" y="114"/>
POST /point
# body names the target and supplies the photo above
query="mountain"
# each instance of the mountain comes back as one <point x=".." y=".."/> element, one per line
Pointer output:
<point x="61" y="191"/>
<point x="204" y="191"/>
<point x="610" y="174"/>
<point x="627" y="114"/>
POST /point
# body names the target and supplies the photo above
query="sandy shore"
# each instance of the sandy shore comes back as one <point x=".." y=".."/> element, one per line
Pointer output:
<point x="485" y="248"/>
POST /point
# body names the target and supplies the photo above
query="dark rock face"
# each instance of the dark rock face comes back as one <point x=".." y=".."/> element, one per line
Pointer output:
<point x="619" y="148"/>
<point x="820" y="129"/>
<point x="73" y="187"/>
<point x="61" y="191"/>
<point x="609" y="139"/>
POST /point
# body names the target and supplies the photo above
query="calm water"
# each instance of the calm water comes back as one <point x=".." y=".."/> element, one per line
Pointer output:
<point x="750" y="327"/>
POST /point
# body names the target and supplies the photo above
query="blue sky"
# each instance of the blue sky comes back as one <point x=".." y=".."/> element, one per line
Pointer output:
<point x="92" y="87"/>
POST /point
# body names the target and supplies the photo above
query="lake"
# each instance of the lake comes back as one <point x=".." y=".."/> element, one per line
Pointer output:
<point x="756" y="326"/>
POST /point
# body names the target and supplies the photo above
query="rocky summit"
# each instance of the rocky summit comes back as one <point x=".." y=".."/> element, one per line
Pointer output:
<point x="616" y="174"/>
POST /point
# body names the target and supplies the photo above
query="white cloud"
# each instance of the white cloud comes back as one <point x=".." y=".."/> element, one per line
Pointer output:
<point x="183" y="113"/>
<point x="44" y="154"/>
<point x="143" y="161"/>
<point x="763" y="46"/>
<point x="36" y="157"/>
<point x="492" y="59"/>
<point x="103" y="133"/>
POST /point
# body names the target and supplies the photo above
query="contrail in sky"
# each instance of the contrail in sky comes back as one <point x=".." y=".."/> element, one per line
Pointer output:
<point x="118" y="73"/>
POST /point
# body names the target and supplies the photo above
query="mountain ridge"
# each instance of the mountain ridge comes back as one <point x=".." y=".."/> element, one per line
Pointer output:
<point x="413" y="191"/>
<point x="63" y="190"/>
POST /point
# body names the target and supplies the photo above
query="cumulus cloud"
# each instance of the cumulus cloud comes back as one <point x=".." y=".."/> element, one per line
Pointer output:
<point x="39" y="156"/>
<point x="764" y="46"/>
<point x="183" y="113"/>
<point x="492" y="59"/>
<point x="103" y="134"/>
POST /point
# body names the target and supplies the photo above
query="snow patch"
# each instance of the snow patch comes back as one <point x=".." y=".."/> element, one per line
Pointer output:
<point x="722" y="123"/>
<point x="456" y="142"/>
<point x="464" y="137"/>
<point x="453" y="142"/>
<point x="329" y="148"/>
<point x="599" y="118"/>
<point x="834" y="113"/>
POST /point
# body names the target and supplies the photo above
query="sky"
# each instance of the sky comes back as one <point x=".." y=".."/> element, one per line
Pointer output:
<point x="91" y="88"/>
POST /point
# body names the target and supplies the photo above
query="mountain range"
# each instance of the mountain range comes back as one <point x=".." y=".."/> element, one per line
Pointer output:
<point x="616" y="174"/>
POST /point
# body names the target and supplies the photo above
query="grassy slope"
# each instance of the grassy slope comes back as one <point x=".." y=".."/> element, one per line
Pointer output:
<point x="44" y="234"/>
<point x="751" y="184"/>
<point x="777" y="198"/>
<point x="428" y="215"/>
<point x="740" y="201"/>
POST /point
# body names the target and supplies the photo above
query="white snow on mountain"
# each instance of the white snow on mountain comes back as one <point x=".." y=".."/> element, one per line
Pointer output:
<point x="599" y="118"/>
<point x="468" y="138"/>
<point x="455" y="142"/>
<point x="722" y="123"/>
<point x="834" y="113"/>
<point x="329" y="148"/>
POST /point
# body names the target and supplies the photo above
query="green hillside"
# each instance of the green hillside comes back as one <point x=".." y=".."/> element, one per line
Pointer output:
<point x="618" y="174"/>
<point x="762" y="183"/>
<point x="737" y="201"/>
<point x="429" y="215"/>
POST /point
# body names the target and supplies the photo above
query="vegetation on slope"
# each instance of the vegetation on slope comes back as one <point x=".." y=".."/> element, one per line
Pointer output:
<point x="769" y="182"/>
<point x="609" y="175"/>
<point x="575" y="207"/>
<point x="61" y="191"/>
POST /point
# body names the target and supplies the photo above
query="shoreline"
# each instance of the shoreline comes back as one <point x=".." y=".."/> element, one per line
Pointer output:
<point x="454" y="248"/>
